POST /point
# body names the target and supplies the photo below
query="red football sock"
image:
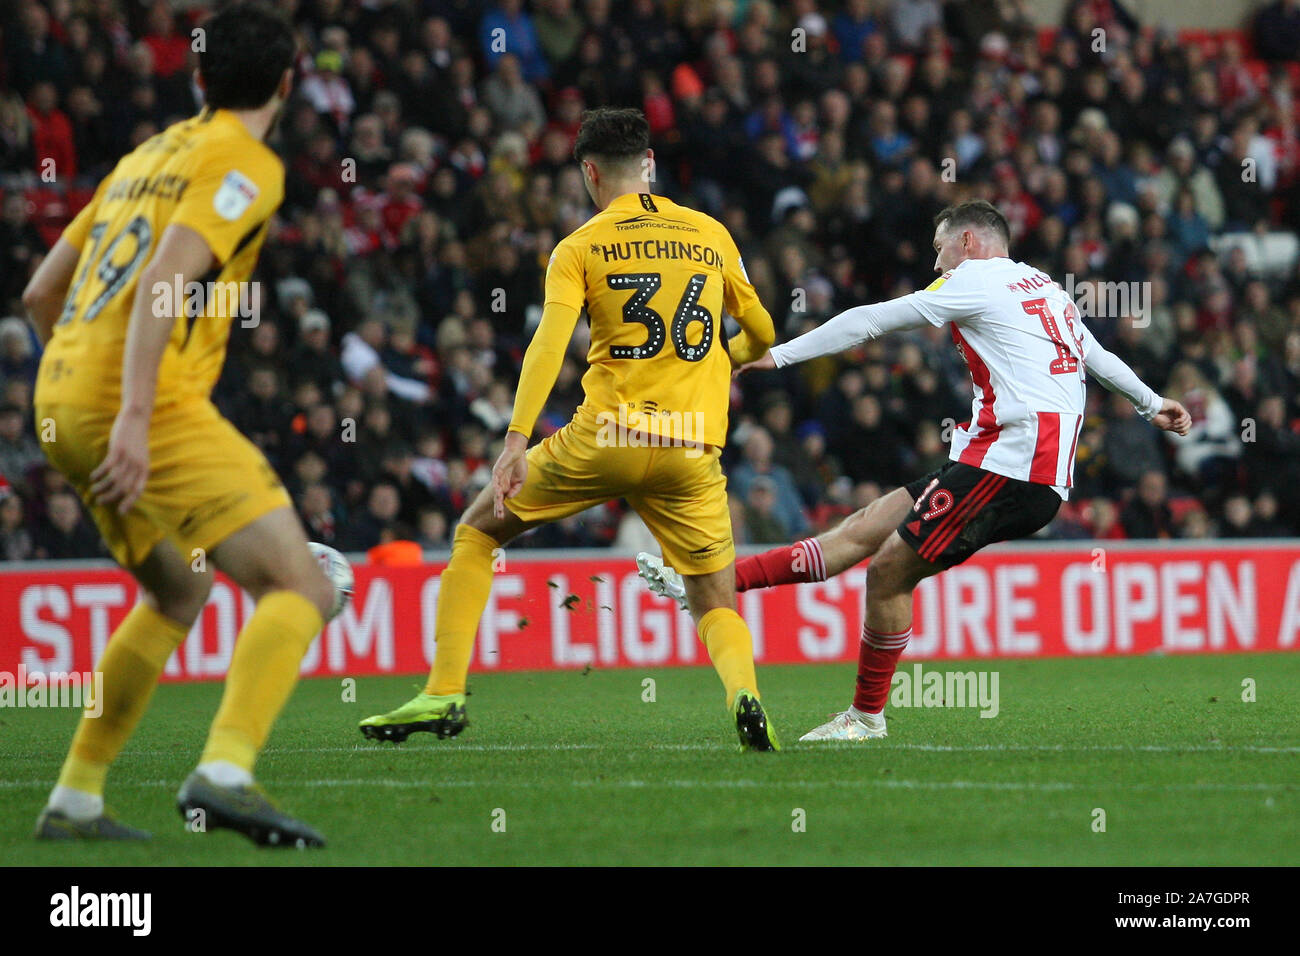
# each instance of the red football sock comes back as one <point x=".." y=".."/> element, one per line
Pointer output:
<point x="789" y="564"/>
<point x="877" y="659"/>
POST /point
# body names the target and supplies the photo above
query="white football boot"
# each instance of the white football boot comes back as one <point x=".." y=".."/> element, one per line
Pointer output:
<point x="661" y="579"/>
<point x="850" y="725"/>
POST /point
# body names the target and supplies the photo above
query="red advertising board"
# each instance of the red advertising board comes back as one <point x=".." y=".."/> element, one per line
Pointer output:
<point x="550" y="610"/>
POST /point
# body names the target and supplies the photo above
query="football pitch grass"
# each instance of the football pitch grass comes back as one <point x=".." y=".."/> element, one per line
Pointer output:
<point x="573" y="768"/>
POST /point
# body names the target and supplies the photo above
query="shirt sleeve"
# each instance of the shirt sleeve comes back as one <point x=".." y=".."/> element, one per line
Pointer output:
<point x="226" y="200"/>
<point x="738" y="293"/>
<point x="757" y="332"/>
<point x="1113" y="372"/>
<point x="954" y="296"/>
<point x="851" y="327"/>
<point x="566" y="279"/>
<point x="541" y="366"/>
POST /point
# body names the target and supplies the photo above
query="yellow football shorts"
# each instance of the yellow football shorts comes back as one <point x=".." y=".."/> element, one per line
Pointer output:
<point x="206" y="480"/>
<point x="679" y="492"/>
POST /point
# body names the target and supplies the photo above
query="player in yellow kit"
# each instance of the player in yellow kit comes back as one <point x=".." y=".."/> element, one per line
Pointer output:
<point x="654" y="278"/>
<point x="134" y="305"/>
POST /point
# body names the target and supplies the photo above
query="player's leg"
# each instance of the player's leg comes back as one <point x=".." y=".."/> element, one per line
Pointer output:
<point x="267" y="557"/>
<point x="562" y="479"/>
<point x="712" y="601"/>
<point x="852" y="541"/>
<point x="172" y="596"/>
<point x="682" y="498"/>
<point x="463" y="591"/>
<point x="468" y="576"/>
<point x="215" y="495"/>
<point x="892" y="576"/>
<point x="957" y="514"/>
<point x="833" y="552"/>
<point x="724" y="633"/>
<point x="270" y="560"/>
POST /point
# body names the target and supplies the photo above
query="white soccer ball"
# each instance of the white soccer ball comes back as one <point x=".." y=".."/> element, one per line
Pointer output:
<point x="339" y="572"/>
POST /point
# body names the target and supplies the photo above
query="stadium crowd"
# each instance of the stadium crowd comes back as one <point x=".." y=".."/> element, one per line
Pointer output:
<point x="428" y="175"/>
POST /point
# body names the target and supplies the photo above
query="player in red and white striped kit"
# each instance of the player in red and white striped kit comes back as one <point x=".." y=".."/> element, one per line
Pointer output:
<point x="1010" y="466"/>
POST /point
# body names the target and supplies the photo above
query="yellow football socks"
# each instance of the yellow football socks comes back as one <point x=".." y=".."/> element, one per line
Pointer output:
<point x="263" y="672"/>
<point x="462" y="595"/>
<point x="731" y="649"/>
<point x="136" y="653"/>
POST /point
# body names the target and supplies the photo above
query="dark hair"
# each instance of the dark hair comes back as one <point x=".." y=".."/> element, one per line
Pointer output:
<point x="612" y="134"/>
<point x="246" y="49"/>
<point x="979" y="213"/>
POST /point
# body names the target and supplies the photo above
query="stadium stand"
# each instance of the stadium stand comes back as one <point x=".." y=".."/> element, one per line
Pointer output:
<point x="427" y="150"/>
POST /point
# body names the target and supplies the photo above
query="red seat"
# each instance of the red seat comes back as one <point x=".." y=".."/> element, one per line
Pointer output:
<point x="1180" y="508"/>
<point x="1046" y="39"/>
<point x="1207" y="40"/>
<point x="78" y="198"/>
<point x="50" y="213"/>
<point x="1258" y="70"/>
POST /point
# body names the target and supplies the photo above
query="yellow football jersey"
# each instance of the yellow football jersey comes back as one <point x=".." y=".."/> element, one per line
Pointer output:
<point x="654" y="277"/>
<point x="207" y="173"/>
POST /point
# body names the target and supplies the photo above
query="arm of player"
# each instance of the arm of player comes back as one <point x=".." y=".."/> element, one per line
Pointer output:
<point x="851" y="327"/>
<point x="1113" y="372"/>
<point x="566" y="291"/>
<point x="757" y="332"/>
<point x="121" y="477"/>
<point x="952" y="297"/>
<point x="48" y="287"/>
<point x="541" y="366"/>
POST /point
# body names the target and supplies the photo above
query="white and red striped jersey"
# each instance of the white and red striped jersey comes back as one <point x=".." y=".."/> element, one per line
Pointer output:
<point x="1027" y="349"/>
<point x="1025" y="346"/>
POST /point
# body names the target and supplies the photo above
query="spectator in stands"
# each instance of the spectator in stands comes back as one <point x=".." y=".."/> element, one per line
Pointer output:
<point x="762" y="523"/>
<point x="18" y="358"/>
<point x="15" y="540"/>
<point x="513" y="103"/>
<point x="1237" y="518"/>
<point x="1147" y="514"/>
<point x="319" y="516"/>
<point x="1267" y="522"/>
<point x="56" y="152"/>
<point x="429" y="169"/>
<point x="366" y="529"/>
<point x="1277" y="31"/>
<point x="19" y="452"/>
<point x="1184" y="173"/>
<point x="1131" y="445"/>
<point x="1209" y="453"/>
<point x="786" y="507"/>
<point x="432" y="530"/>
<point x="64" y="534"/>
<point x="508" y="27"/>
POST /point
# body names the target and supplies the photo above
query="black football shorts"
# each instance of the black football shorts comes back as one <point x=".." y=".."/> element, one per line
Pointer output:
<point x="960" y="509"/>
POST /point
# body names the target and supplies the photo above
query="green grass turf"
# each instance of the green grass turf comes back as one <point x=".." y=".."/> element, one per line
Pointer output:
<point x="588" y="773"/>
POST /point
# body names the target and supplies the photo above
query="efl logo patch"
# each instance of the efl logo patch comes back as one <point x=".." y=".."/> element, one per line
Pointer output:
<point x="234" y="196"/>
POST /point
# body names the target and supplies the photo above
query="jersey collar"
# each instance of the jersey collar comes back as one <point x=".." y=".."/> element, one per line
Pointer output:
<point x="643" y="202"/>
<point x="222" y="117"/>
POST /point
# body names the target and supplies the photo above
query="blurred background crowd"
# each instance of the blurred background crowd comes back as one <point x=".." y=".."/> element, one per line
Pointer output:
<point x="428" y="175"/>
